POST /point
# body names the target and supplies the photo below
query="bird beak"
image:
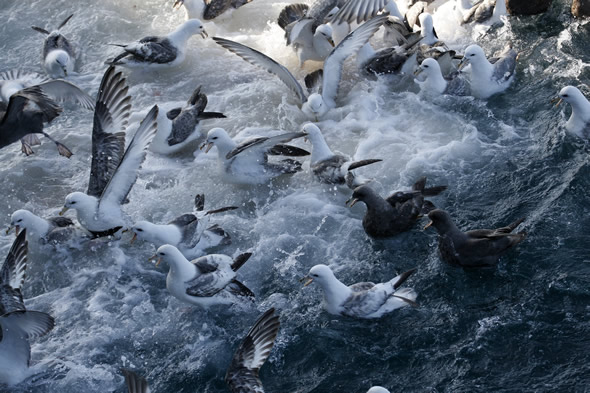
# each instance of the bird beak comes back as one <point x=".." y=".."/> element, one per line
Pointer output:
<point x="462" y="63"/>
<point x="418" y="71"/>
<point x="65" y="71"/>
<point x="177" y="4"/>
<point x="427" y="225"/>
<point x="209" y="146"/>
<point x="557" y="101"/>
<point x="351" y="202"/>
<point x="331" y="41"/>
<point x="204" y="34"/>
<point x="157" y="258"/>
<point x="9" y="229"/>
<point x="64" y="210"/>
<point x="309" y="280"/>
<point x="133" y="238"/>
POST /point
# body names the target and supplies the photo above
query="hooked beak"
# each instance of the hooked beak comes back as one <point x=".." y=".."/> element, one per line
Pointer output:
<point x="134" y="238"/>
<point x="462" y="63"/>
<point x="177" y="4"/>
<point x="309" y="280"/>
<point x="208" y="146"/>
<point x="557" y="101"/>
<point x="331" y="41"/>
<point x="9" y="229"/>
<point x="157" y="258"/>
<point x="351" y="202"/>
<point x="427" y="225"/>
<point x="64" y="210"/>
<point x="418" y="71"/>
<point x="204" y="34"/>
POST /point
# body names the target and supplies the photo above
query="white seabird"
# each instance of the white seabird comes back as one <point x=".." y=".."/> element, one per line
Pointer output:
<point x="579" y="121"/>
<point x="52" y="230"/>
<point x="190" y="233"/>
<point x="205" y="281"/>
<point x="488" y="79"/>
<point x="316" y="105"/>
<point x="242" y="374"/>
<point x="247" y="163"/>
<point x="113" y="170"/>
<point x="364" y="299"/>
<point x="156" y="51"/>
<point x="435" y="83"/>
<point x="332" y="168"/>
<point x="377" y="389"/>
<point x="58" y="53"/>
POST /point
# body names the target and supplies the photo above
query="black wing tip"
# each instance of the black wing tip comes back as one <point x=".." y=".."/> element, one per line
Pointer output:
<point x="240" y="260"/>
<point x="135" y="383"/>
<point x="403" y="277"/>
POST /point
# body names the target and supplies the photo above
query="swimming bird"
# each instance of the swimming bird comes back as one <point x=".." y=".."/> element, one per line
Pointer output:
<point x="363" y="299"/>
<point x="26" y="112"/>
<point x="475" y="248"/>
<point x="483" y="11"/>
<point x="242" y="374"/>
<point x="184" y="127"/>
<point x="134" y="382"/>
<point x="17" y="325"/>
<point x="158" y="52"/>
<point x="316" y="105"/>
<point x="377" y="389"/>
<point x="113" y="170"/>
<point x="396" y="214"/>
<point x="190" y="233"/>
<point x="53" y="230"/>
<point x="488" y="79"/>
<point x="579" y="121"/>
<point x="332" y="168"/>
<point x="58" y="52"/>
<point x="207" y="10"/>
<point x="435" y="83"/>
<point x="247" y="163"/>
<point x="306" y="31"/>
<point x="205" y="281"/>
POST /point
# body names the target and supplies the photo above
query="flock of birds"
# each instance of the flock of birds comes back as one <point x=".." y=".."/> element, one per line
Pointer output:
<point x="330" y="31"/>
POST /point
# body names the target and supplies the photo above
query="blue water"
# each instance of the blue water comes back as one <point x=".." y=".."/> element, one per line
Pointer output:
<point x="523" y="327"/>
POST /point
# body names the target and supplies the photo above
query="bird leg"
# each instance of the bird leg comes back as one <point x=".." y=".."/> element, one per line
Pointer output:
<point x="61" y="148"/>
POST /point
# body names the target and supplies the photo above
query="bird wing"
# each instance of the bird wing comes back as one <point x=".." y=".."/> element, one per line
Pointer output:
<point x="505" y="67"/>
<point x="215" y="8"/>
<point x="15" y="264"/>
<point x="242" y="374"/>
<point x="365" y="299"/>
<point x="111" y="115"/>
<point x="359" y="11"/>
<point x="134" y="382"/>
<point x="261" y="60"/>
<point x="61" y="90"/>
<point x="153" y="50"/>
<point x="350" y="45"/>
<point x="61" y="222"/>
<point x="125" y="175"/>
<point x="260" y="146"/>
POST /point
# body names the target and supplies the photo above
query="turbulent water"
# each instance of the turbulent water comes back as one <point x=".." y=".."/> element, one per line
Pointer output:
<point x="522" y="327"/>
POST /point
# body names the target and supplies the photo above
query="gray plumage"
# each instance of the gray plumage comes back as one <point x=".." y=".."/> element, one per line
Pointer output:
<point x="242" y="374"/>
<point x="186" y="120"/>
<point x="396" y="214"/>
<point x="214" y="277"/>
<point x="56" y="40"/>
<point x="148" y="50"/>
<point x="359" y="10"/>
<point x="505" y="66"/>
<point x="134" y="382"/>
<point x="12" y="275"/>
<point x="475" y="248"/>
<point x="111" y="115"/>
<point x="480" y="12"/>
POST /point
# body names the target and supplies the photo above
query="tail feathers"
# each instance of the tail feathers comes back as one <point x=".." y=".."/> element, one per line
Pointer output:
<point x="239" y="289"/>
<point x="361" y="163"/>
<point x="408" y="295"/>
<point x="134" y="382"/>
<point x="240" y="260"/>
<point x="403" y="277"/>
<point x="211" y="115"/>
<point x="291" y="13"/>
<point x="66" y="20"/>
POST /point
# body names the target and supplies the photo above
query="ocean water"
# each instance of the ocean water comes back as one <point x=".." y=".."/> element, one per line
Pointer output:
<point x="523" y="327"/>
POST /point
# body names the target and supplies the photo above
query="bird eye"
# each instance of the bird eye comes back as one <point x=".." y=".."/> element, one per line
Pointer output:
<point x="425" y="66"/>
<point x="20" y="220"/>
<point x="162" y="254"/>
<point x="214" y="138"/>
<point x="73" y="202"/>
<point x="315" y="275"/>
<point x="471" y="55"/>
<point x="139" y="230"/>
<point x="565" y="95"/>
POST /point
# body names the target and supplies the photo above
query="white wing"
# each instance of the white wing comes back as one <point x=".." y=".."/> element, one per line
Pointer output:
<point x="359" y="10"/>
<point x="61" y="91"/>
<point x="118" y="187"/>
<point x="261" y="60"/>
<point x="350" y="45"/>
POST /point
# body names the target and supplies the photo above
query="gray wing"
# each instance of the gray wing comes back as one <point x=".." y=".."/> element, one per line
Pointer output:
<point x="134" y="382"/>
<point x="61" y="90"/>
<point x="188" y="225"/>
<point x="153" y="50"/>
<point x="263" y="144"/>
<point x="329" y="171"/>
<point x="60" y="222"/>
<point x="319" y="10"/>
<point x="118" y="187"/>
<point x="359" y="10"/>
<point x="113" y="107"/>
<point x="480" y="12"/>
<point x="505" y="67"/>
<point x="215" y="8"/>
<point x="350" y="45"/>
<point x="206" y="264"/>
<point x="15" y="264"/>
<point x="56" y="40"/>
<point x="364" y="301"/>
<point x="242" y="374"/>
<point x="261" y="60"/>
<point x="11" y="299"/>
<point x="362" y="286"/>
<point x="458" y="86"/>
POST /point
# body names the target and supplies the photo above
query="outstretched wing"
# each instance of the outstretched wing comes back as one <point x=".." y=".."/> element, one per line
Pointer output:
<point x="358" y="10"/>
<point x="350" y="45"/>
<point x="261" y="60"/>
<point x="15" y="265"/>
<point x="124" y="178"/>
<point x="61" y="90"/>
<point x="242" y="374"/>
<point x="113" y="107"/>
<point x="263" y="144"/>
<point x="134" y="382"/>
